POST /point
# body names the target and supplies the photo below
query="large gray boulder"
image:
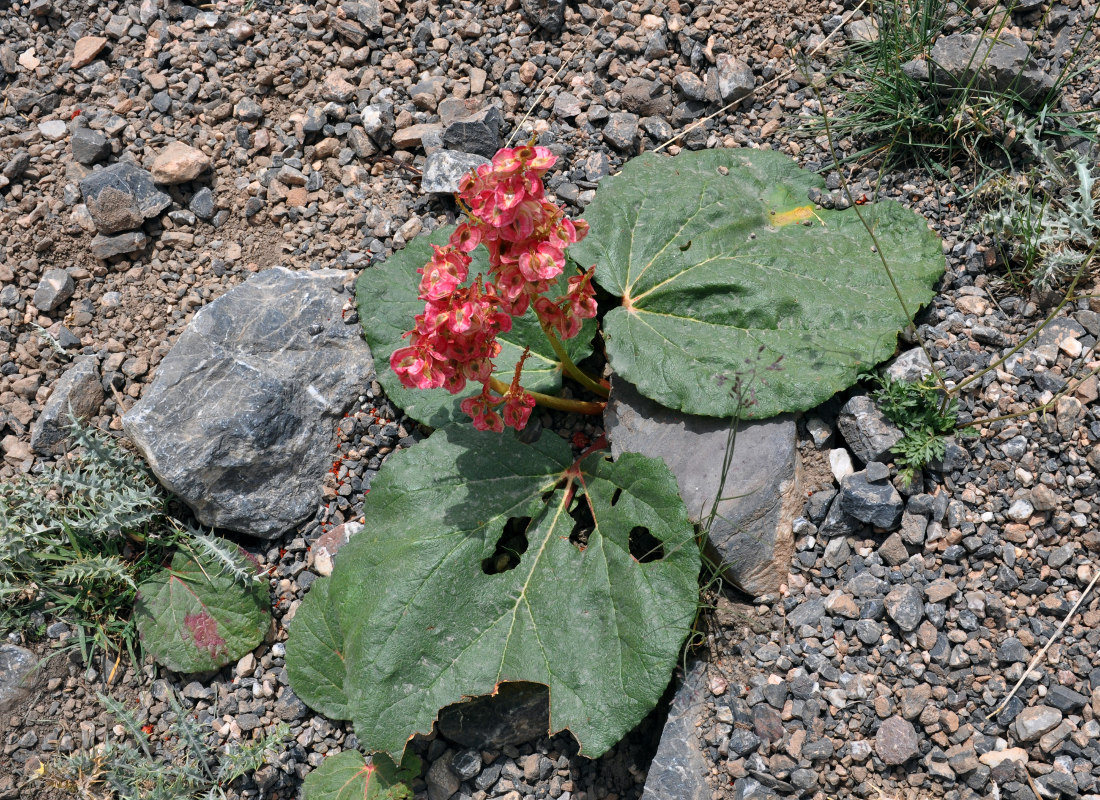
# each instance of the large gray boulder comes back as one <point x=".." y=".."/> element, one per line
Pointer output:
<point x="996" y="64"/>
<point x="240" y="420"/>
<point x="751" y="536"/>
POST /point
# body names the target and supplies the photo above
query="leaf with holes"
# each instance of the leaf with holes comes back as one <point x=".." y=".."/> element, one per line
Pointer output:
<point x="484" y="560"/>
<point x="387" y="300"/>
<point x="722" y="263"/>
<point x="194" y="617"/>
<point x="349" y="776"/>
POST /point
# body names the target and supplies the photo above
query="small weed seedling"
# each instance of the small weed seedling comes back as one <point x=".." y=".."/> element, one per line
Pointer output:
<point x="923" y="415"/>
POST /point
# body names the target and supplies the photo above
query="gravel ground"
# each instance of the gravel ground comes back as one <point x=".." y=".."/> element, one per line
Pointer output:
<point x="290" y="104"/>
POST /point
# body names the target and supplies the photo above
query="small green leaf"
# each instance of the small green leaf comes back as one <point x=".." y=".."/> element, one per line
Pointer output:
<point x="349" y="776"/>
<point x="193" y="617"/>
<point x="387" y="300"/>
<point x="484" y="560"/>
<point x="722" y="264"/>
<point x="319" y="672"/>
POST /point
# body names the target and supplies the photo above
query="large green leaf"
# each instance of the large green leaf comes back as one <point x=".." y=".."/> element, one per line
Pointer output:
<point x="386" y="295"/>
<point x="423" y="624"/>
<point x="722" y="264"/>
<point x="349" y="776"/>
<point x="194" y="616"/>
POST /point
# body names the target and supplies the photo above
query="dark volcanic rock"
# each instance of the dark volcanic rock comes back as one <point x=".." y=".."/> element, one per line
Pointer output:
<point x="998" y="64"/>
<point x="239" y="421"/>
<point x="877" y="504"/>
<point x="866" y="430"/>
<point x="517" y="713"/>
<point x="546" y="14"/>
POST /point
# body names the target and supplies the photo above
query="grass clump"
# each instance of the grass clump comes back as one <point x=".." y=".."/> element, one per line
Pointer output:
<point x="901" y="104"/>
<point x="184" y="767"/>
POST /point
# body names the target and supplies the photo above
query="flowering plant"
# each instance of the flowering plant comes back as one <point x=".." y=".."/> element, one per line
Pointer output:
<point x="455" y="339"/>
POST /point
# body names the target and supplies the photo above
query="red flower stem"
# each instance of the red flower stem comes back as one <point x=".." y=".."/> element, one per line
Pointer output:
<point x="571" y="369"/>
<point x="560" y="403"/>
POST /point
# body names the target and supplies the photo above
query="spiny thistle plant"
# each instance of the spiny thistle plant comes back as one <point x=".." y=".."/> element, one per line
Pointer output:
<point x="183" y="764"/>
<point x="85" y="542"/>
<point x="1048" y="219"/>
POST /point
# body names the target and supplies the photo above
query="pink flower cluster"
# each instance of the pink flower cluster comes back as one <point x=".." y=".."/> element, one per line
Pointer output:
<point x="454" y="340"/>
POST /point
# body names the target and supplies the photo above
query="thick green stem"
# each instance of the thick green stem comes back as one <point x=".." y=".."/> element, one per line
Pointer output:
<point x="571" y="369"/>
<point x="560" y="403"/>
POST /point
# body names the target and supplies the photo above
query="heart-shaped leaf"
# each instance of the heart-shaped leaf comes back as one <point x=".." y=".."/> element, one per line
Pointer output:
<point x="194" y="616"/>
<point x="387" y="300"/>
<point x="723" y="265"/>
<point x="485" y="560"/>
<point x="349" y="776"/>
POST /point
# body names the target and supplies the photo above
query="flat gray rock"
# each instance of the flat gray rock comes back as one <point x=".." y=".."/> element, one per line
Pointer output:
<point x="18" y="667"/>
<point x="751" y="536"/>
<point x="987" y="63"/>
<point x="239" y="422"/>
<point x="679" y="769"/>
<point x="80" y="391"/>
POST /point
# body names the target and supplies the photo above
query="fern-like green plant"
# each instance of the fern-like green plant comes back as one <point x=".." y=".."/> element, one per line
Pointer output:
<point x="924" y="417"/>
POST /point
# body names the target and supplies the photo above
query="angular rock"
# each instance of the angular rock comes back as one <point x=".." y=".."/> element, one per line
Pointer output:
<point x="239" y="420"/>
<point x="367" y="12"/>
<point x="89" y="146"/>
<point x="837" y="522"/>
<point x="910" y="366"/>
<point x="18" y="673"/>
<point x="904" y="606"/>
<point x="621" y="131"/>
<point x="645" y="98"/>
<point x="896" y="741"/>
<point x="179" y="163"/>
<point x="442" y="782"/>
<point x="893" y="550"/>
<point x="444" y="169"/>
<point x="985" y="63"/>
<point x="1033" y="722"/>
<point x="751" y="534"/>
<point x="518" y="712"/>
<point x="877" y="504"/>
<point x="679" y="769"/>
<point x="86" y="49"/>
<point x="323" y="551"/>
<point x="477" y="133"/>
<point x="79" y="391"/>
<point x="108" y="246"/>
<point x="549" y="15"/>
<point x="120" y="196"/>
<point x="869" y="435"/>
<point x="53" y="130"/>
<point x="735" y="78"/>
<point x="202" y="204"/>
<point x="56" y="286"/>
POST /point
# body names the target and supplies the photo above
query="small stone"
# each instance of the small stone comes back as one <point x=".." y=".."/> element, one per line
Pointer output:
<point x="904" y="606"/>
<point x="910" y="366"/>
<point x="444" y="169"/>
<point x="53" y="129"/>
<point x="940" y="590"/>
<point x="866" y="430"/>
<point x="878" y="504"/>
<point x="109" y="246"/>
<point x="997" y="757"/>
<point x="18" y="669"/>
<point x="55" y="288"/>
<point x="248" y="110"/>
<point x="549" y="15"/>
<point x="621" y="131"/>
<point x="1033" y="722"/>
<point x="735" y="79"/>
<point x="120" y="196"/>
<point x="202" y="204"/>
<point x="179" y="163"/>
<point x="840" y="464"/>
<point x="477" y="133"/>
<point x="86" y="49"/>
<point x="896" y="741"/>
<point x="79" y="391"/>
<point x="893" y="550"/>
<point x="89" y="146"/>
